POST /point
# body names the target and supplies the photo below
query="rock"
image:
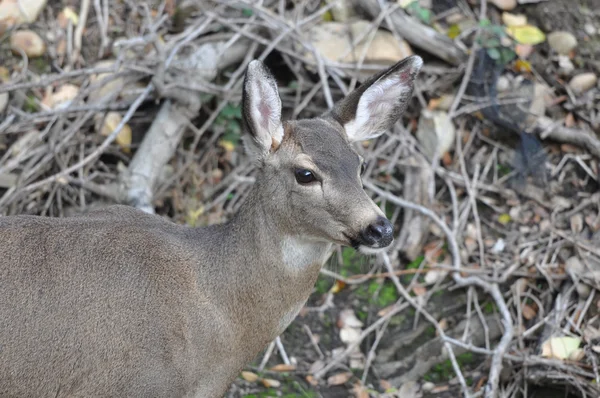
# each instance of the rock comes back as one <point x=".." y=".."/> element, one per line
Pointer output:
<point x="505" y="5"/>
<point x="15" y="12"/>
<point x="583" y="82"/>
<point x="562" y="42"/>
<point x="565" y="66"/>
<point x="27" y="41"/>
<point x="333" y="40"/>
<point x="503" y="84"/>
<point x="590" y="29"/>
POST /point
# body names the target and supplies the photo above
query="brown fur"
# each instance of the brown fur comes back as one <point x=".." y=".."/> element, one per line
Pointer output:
<point x="122" y="303"/>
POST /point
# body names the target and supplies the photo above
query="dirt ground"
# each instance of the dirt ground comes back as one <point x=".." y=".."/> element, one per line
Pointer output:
<point x="490" y="288"/>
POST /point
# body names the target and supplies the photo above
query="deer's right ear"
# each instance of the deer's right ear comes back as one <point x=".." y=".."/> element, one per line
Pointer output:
<point x="379" y="102"/>
<point x="261" y="107"/>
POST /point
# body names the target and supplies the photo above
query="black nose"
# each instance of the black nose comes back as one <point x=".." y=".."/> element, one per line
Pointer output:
<point x="378" y="234"/>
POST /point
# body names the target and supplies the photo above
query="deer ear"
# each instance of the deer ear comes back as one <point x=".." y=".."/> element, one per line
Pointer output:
<point x="261" y="107"/>
<point x="378" y="103"/>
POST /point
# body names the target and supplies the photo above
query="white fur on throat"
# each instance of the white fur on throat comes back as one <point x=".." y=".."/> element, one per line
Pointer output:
<point x="298" y="254"/>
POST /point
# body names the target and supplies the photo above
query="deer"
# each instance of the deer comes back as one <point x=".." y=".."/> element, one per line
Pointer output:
<point x="120" y="302"/>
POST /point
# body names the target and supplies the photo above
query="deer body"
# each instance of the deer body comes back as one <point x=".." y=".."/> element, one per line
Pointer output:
<point x="122" y="303"/>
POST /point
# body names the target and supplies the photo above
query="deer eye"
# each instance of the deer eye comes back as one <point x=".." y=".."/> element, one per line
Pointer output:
<point x="304" y="176"/>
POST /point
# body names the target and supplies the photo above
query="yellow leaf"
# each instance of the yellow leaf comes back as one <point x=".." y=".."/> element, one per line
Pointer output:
<point x="522" y="66"/>
<point x="327" y="16"/>
<point x="193" y="215"/>
<point x="560" y="347"/>
<point x="504" y="218"/>
<point x="337" y="287"/>
<point x="71" y="15"/>
<point x="453" y="31"/>
<point x="227" y="145"/>
<point x="405" y="3"/>
<point x="526" y="34"/>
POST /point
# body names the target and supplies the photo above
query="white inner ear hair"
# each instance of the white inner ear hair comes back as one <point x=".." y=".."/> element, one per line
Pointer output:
<point x="265" y="106"/>
<point x="374" y="108"/>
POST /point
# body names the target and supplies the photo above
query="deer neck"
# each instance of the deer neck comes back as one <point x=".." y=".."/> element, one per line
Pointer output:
<point x="273" y="270"/>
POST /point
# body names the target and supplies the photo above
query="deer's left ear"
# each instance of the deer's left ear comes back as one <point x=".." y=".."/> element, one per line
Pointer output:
<point x="378" y="103"/>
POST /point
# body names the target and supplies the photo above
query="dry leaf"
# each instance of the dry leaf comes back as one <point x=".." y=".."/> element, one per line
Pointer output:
<point x="27" y="41"/>
<point x="312" y="381"/>
<point x="514" y="19"/>
<point x="419" y="290"/>
<point x="560" y="347"/>
<point x="337" y="287"/>
<point x="15" y="12"/>
<point x="334" y="40"/>
<point x="111" y="121"/>
<point x="386" y="310"/>
<point x="360" y="391"/>
<point x="528" y="312"/>
<point x="249" y="376"/>
<point x="270" y="383"/>
<point x="338" y="379"/>
<point x="282" y="367"/>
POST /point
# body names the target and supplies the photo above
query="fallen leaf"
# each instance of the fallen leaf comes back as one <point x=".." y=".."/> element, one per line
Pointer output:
<point x="528" y="312"/>
<point x="15" y="12"/>
<point x="312" y="381"/>
<point x="270" y="383"/>
<point x="419" y="290"/>
<point x="504" y="218"/>
<point x="337" y="287"/>
<point x="334" y="41"/>
<point x="560" y="347"/>
<point x="523" y="50"/>
<point x="522" y="66"/>
<point x="360" y="391"/>
<point x="526" y="34"/>
<point x="514" y="19"/>
<point x="3" y="101"/>
<point x="27" y="41"/>
<point x="249" y="376"/>
<point x="435" y="132"/>
<point x="67" y="15"/>
<point x="111" y="121"/>
<point x="282" y="367"/>
<point x="338" y="379"/>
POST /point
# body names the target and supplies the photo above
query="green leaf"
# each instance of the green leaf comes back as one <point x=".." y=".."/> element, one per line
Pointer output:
<point x="247" y="12"/>
<point x="494" y="53"/>
<point x="484" y="22"/>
